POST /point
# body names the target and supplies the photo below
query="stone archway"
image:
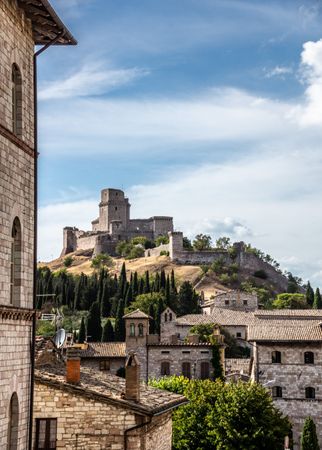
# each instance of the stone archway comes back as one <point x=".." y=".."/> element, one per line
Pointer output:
<point x="13" y="424"/>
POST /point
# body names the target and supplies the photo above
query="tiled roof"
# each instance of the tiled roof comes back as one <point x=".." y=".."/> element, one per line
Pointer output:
<point x="137" y="314"/>
<point x="181" y="344"/>
<point x="221" y="316"/>
<point x="285" y="331"/>
<point x="110" y="389"/>
<point x="304" y="314"/>
<point x="104" y="349"/>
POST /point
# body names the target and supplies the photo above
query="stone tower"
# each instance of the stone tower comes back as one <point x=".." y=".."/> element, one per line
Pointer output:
<point x="23" y="24"/>
<point x="136" y="337"/>
<point x="113" y="208"/>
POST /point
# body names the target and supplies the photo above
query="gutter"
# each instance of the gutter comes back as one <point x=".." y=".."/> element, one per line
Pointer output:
<point x="32" y="348"/>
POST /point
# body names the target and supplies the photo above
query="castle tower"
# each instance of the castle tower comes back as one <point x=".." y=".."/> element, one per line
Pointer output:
<point x="114" y="206"/>
<point x="23" y="24"/>
<point x="175" y="243"/>
<point x="136" y="337"/>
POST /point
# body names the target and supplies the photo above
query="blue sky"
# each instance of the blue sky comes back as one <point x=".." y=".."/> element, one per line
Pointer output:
<point x="206" y="110"/>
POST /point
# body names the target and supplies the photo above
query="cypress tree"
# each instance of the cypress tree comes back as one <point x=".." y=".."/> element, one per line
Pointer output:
<point x="147" y="289"/>
<point x="141" y="286"/>
<point x="167" y="291"/>
<point x="309" y="440"/>
<point x="317" y="300"/>
<point x="309" y="295"/>
<point x="135" y="285"/>
<point x="215" y="361"/>
<point x="151" y="321"/>
<point x="188" y="300"/>
<point x="129" y="296"/>
<point x="105" y="300"/>
<point x="82" y="332"/>
<point x="77" y="296"/>
<point x="94" y="327"/>
<point x="108" y="332"/>
<point x="119" y="322"/>
<point x="156" y="287"/>
<point x="162" y="279"/>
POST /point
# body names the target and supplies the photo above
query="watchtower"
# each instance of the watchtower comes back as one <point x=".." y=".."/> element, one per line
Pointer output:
<point x="114" y="206"/>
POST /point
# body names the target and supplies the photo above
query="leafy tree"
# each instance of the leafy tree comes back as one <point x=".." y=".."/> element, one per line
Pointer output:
<point x="317" y="300"/>
<point x="223" y="243"/>
<point x="187" y="245"/>
<point x="68" y="261"/>
<point x="202" y="242"/>
<point x="141" y="240"/>
<point x="108" y="332"/>
<point x="204" y="331"/>
<point x="309" y="439"/>
<point x="290" y="301"/>
<point x="143" y="302"/>
<point x="102" y="260"/>
<point x="216" y="362"/>
<point x="82" y="332"/>
<point x="161" y="240"/>
<point x="223" y="416"/>
<point x="136" y="252"/>
<point x="94" y="327"/>
<point x="309" y="294"/>
<point x="188" y="300"/>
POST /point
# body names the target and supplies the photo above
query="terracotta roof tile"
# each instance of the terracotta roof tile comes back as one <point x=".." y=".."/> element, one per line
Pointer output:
<point x="137" y="314"/>
<point x="285" y="331"/>
<point x="222" y="316"/>
<point x="104" y="349"/>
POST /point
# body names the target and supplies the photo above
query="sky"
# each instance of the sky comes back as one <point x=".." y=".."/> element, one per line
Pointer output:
<point x="206" y="110"/>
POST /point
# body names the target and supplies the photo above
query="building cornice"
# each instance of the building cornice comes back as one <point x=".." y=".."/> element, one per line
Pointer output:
<point x="16" y="141"/>
<point x="15" y="313"/>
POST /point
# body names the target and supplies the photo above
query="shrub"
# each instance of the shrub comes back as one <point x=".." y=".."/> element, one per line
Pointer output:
<point x="68" y="261"/>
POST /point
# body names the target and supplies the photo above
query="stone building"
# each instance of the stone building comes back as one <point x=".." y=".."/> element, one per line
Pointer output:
<point x="288" y="359"/>
<point x="79" y="408"/>
<point x="103" y="356"/>
<point x="114" y="224"/>
<point x="23" y="24"/>
<point x="236" y="300"/>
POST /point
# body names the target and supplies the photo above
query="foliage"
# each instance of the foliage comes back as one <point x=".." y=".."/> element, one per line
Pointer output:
<point x="135" y="252"/>
<point x="144" y="302"/>
<point x="309" y="439"/>
<point x="68" y="261"/>
<point x="317" y="304"/>
<point x="142" y="240"/>
<point x="160" y="240"/>
<point x="202" y="242"/>
<point x="188" y="300"/>
<point x="121" y="372"/>
<point x="290" y="301"/>
<point x="223" y="416"/>
<point x="45" y="328"/>
<point x="82" y="332"/>
<point x="134" y="248"/>
<point x="187" y="245"/>
<point x="164" y="253"/>
<point x="309" y="294"/>
<point x="204" y="331"/>
<point x="102" y="260"/>
<point x="108" y="332"/>
<point x="216" y="362"/>
<point x="94" y="327"/>
<point x="223" y="243"/>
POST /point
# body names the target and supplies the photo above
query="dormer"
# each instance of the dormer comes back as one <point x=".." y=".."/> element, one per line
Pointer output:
<point x="168" y="315"/>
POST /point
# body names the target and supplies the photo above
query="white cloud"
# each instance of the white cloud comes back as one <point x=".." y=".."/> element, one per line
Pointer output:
<point x="278" y="71"/>
<point x="90" y="80"/>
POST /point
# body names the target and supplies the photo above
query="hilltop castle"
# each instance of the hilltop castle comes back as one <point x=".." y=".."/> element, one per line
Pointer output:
<point x="113" y="225"/>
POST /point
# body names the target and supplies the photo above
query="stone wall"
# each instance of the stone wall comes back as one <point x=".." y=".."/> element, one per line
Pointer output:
<point x="157" y="250"/>
<point x="114" y="363"/>
<point x="88" y="424"/>
<point x="16" y="201"/>
<point x="238" y="300"/>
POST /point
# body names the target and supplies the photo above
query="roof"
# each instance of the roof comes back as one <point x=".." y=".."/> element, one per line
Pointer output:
<point x="46" y="24"/>
<point x="285" y="331"/>
<point x="137" y="314"/>
<point x="305" y="314"/>
<point x="221" y="316"/>
<point x="181" y="344"/>
<point x="104" y="349"/>
<point x="110" y="389"/>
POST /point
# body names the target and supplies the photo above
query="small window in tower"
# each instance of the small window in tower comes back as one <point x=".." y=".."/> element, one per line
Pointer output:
<point x="115" y="208"/>
<point x="16" y="100"/>
<point x="166" y="317"/>
<point x="132" y="329"/>
<point x="170" y="317"/>
<point x="140" y="327"/>
<point x="309" y="392"/>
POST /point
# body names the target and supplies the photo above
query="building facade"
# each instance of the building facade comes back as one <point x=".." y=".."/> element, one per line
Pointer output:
<point x="20" y="30"/>
<point x="113" y="225"/>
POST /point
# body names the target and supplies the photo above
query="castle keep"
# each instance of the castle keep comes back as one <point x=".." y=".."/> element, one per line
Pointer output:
<point x="114" y="224"/>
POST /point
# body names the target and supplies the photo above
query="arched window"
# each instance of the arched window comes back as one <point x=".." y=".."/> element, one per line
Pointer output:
<point x="276" y="357"/>
<point x="132" y="329"/>
<point x="166" y="317"/>
<point x="15" y="263"/>
<point x="16" y="100"/>
<point x="277" y="392"/>
<point x="186" y="369"/>
<point x="308" y="358"/>
<point x="13" y="424"/>
<point x="309" y="392"/>
<point x="170" y="317"/>
<point x="140" y="327"/>
<point x="204" y="370"/>
<point x="165" y="368"/>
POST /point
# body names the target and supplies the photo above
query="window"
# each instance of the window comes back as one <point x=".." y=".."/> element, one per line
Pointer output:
<point x="46" y="434"/>
<point x="166" y="317"/>
<point x="15" y="263"/>
<point x="132" y="329"/>
<point x="115" y="208"/>
<point x="309" y="392"/>
<point x="140" y="327"/>
<point x="165" y="368"/>
<point x="245" y="302"/>
<point x="13" y="426"/>
<point x="186" y="351"/>
<point x="16" y="98"/>
<point x="308" y="358"/>
<point x="170" y="317"/>
<point x="276" y="357"/>
<point x="165" y="351"/>
<point x="238" y="334"/>
<point x="186" y="369"/>
<point x="277" y="392"/>
<point x="105" y="364"/>
<point x="204" y="370"/>
<point x="226" y="302"/>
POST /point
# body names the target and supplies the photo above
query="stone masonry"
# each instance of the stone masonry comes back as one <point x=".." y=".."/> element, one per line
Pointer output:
<point x="113" y="225"/>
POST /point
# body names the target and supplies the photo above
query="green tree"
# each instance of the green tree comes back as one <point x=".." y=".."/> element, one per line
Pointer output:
<point x="309" y="439"/>
<point x="82" y="332"/>
<point x="68" y="261"/>
<point x="290" y="301"/>
<point x="94" y="327"/>
<point x="202" y="242"/>
<point x="160" y="240"/>
<point x="102" y="260"/>
<point x="187" y="245"/>
<point x="119" y="322"/>
<point x="143" y="302"/>
<point x="108" y="332"/>
<point x="309" y="295"/>
<point x="223" y="243"/>
<point x="216" y="362"/>
<point x="317" y="304"/>
<point x="188" y="300"/>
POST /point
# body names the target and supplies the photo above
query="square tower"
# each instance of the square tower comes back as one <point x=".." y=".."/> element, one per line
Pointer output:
<point x="23" y="24"/>
<point x="114" y="207"/>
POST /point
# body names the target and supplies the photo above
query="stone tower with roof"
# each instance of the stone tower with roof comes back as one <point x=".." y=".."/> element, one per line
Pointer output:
<point x="24" y="24"/>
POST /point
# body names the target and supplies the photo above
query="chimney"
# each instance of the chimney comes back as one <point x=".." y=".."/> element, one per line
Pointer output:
<point x="72" y="366"/>
<point x="132" y="378"/>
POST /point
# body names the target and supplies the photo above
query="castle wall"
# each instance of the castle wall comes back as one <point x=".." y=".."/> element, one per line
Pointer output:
<point x="157" y="250"/>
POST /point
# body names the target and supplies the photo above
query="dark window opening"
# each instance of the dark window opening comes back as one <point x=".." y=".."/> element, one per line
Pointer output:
<point x="277" y="392"/>
<point x="309" y="392"/>
<point x="165" y="368"/>
<point x="309" y="358"/>
<point x="13" y="426"/>
<point x="226" y="302"/>
<point x="46" y="434"/>
<point x="245" y="302"/>
<point x="132" y="329"/>
<point x="140" y="327"/>
<point x="16" y="99"/>
<point x="15" y="263"/>
<point x="204" y="370"/>
<point x="238" y="334"/>
<point x="170" y="317"/>
<point x="276" y="357"/>
<point x="105" y="365"/>
<point x="186" y="369"/>
<point x="166" y="317"/>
